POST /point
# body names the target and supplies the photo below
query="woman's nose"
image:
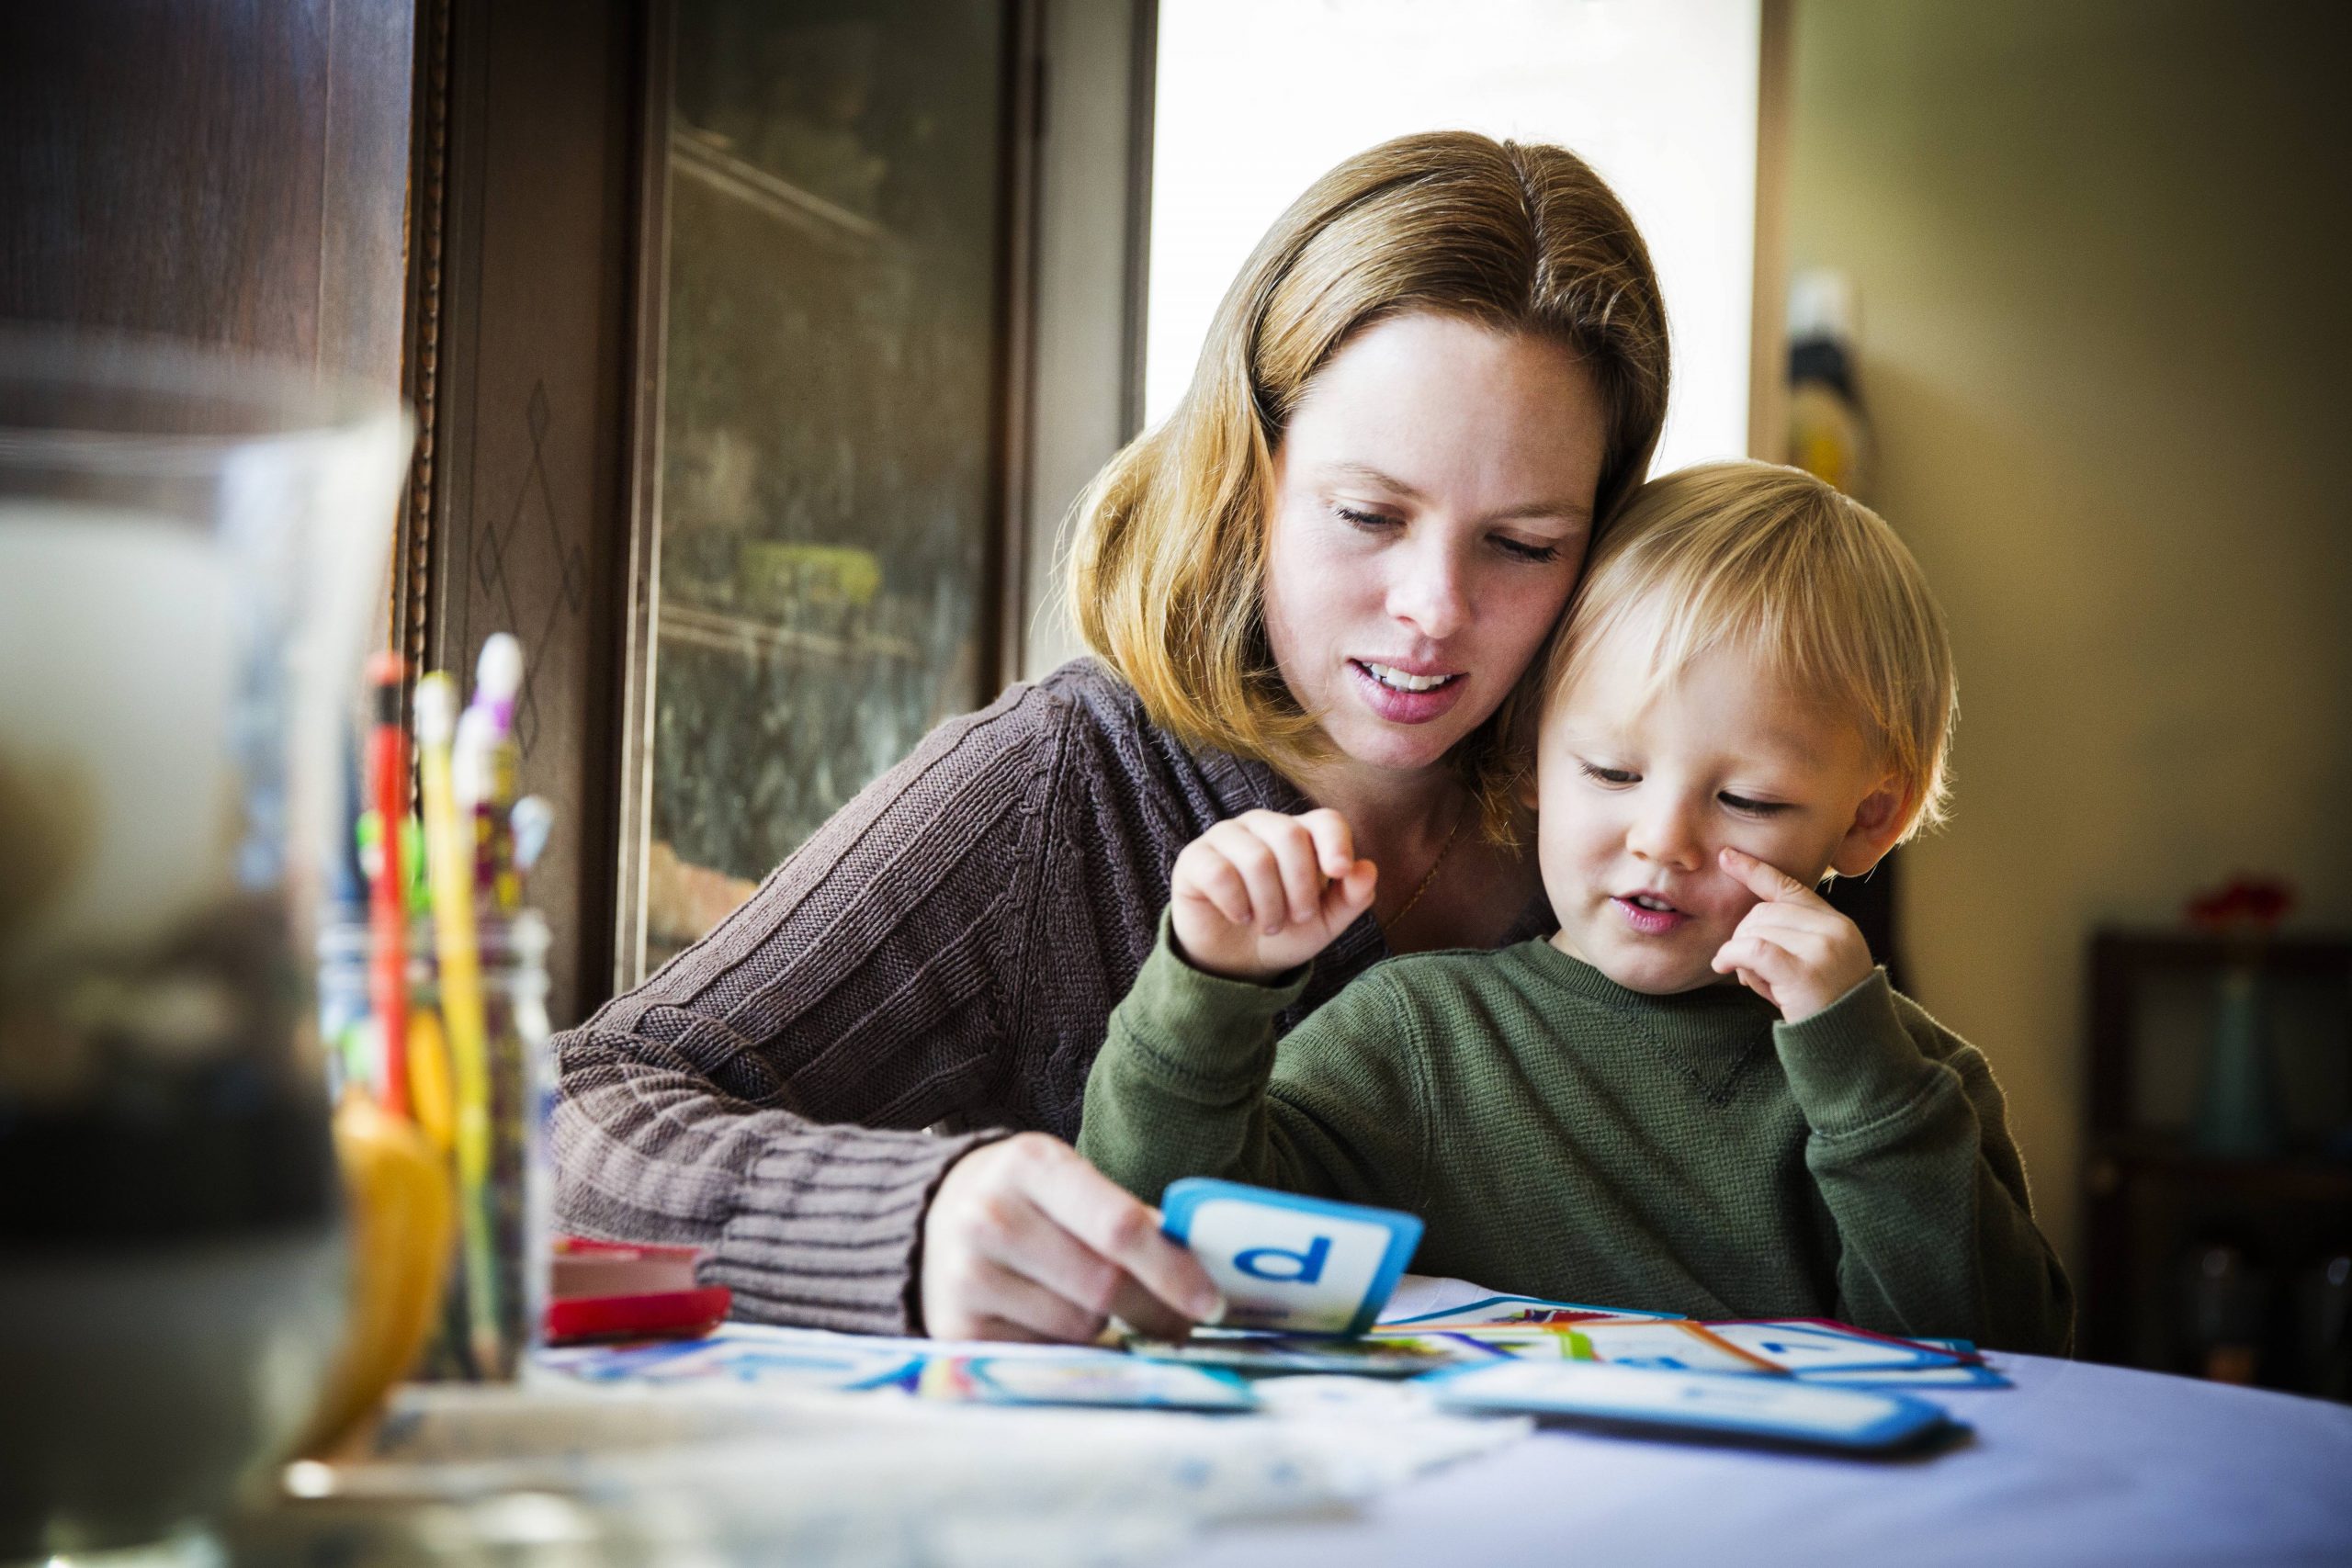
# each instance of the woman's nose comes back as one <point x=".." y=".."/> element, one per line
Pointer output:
<point x="1428" y="593"/>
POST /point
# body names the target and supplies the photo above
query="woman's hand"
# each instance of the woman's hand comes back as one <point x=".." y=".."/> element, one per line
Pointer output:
<point x="1262" y="893"/>
<point x="1025" y="1240"/>
<point x="1793" y="949"/>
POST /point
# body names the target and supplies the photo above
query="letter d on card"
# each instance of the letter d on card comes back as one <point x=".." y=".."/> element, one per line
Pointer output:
<point x="1305" y="1265"/>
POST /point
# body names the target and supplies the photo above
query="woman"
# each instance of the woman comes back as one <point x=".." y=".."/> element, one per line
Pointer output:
<point x="1318" y="583"/>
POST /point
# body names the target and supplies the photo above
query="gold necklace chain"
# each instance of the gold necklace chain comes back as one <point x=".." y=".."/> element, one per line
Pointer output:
<point x="1436" y="865"/>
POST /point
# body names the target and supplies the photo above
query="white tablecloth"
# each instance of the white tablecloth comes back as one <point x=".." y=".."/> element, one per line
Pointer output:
<point x="2078" y="1464"/>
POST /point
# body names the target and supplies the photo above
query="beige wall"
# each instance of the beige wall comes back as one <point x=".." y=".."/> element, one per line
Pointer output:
<point x="2106" y="340"/>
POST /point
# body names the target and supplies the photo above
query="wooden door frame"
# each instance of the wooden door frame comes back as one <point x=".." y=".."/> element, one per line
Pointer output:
<point x="517" y="357"/>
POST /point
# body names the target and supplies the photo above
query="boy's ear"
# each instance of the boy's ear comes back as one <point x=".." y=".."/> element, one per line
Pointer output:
<point x="1878" y="822"/>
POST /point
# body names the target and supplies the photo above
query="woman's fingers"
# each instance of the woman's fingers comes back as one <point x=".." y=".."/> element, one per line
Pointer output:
<point x="1006" y="1298"/>
<point x="1026" y="1233"/>
<point x="1023" y="1238"/>
<point x="1124" y="1232"/>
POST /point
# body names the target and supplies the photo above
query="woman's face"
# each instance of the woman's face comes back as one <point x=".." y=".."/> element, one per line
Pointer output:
<point x="1432" y="497"/>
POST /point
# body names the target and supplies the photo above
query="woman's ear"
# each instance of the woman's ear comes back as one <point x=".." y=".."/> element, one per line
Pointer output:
<point x="1878" y="822"/>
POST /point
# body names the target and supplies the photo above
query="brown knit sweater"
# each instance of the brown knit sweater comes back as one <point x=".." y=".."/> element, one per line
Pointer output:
<point x="946" y="950"/>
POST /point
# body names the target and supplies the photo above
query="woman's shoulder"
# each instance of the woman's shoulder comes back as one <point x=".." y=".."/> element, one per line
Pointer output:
<point x="1108" y="735"/>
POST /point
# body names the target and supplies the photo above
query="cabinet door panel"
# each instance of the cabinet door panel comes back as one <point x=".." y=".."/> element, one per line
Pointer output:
<point x="821" y="558"/>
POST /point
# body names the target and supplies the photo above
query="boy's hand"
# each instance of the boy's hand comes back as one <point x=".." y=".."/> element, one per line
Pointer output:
<point x="1262" y="893"/>
<point x="1793" y="949"/>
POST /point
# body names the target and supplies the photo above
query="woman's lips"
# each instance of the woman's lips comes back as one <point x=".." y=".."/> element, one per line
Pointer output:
<point x="1649" y="922"/>
<point x="1406" y="707"/>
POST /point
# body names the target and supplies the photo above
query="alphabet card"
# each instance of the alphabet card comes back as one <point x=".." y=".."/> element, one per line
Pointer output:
<point x="1304" y="1265"/>
<point x="1779" y="1409"/>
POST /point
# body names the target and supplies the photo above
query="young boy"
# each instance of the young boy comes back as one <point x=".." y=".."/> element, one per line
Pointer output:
<point x="1700" y="1096"/>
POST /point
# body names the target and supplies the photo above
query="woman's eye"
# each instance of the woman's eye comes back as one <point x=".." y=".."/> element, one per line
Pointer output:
<point x="1365" y="519"/>
<point x="1609" y="775"/>
<point x="1753" y="808"/>
<point x="1527" y="552"/>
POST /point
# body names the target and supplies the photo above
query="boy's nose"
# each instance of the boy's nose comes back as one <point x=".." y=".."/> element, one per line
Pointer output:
<point x="1668" y="835"/>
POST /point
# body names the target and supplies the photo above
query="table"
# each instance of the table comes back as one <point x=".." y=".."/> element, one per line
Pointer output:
<point x="2077" y="1463"/>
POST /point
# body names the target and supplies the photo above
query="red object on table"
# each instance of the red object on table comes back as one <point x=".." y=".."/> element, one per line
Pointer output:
<point x="602" y="1290"/>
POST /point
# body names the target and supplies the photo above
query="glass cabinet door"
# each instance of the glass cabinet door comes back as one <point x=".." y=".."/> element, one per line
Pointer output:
<point x="820" y="559"/>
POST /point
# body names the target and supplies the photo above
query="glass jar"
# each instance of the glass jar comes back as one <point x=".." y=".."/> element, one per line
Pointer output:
<point x="512" y="966"/>
<point x="189" y="553"/>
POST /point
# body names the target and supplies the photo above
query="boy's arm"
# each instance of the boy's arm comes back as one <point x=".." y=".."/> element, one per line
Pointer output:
<point x="1190" y="1083"/>
<point x="1911" y="1151"/>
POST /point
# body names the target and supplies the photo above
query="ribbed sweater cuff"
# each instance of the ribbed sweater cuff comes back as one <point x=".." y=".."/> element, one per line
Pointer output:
<point x="824" y="1233"/>
<point x="1201" y="1026"/>
<point x="1852" y="1065"/>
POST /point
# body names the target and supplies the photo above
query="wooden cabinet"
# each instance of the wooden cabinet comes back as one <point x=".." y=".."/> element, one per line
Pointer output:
<point x="2232" y="1264"/>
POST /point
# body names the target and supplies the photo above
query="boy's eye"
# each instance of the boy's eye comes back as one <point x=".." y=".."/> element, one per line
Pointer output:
<point x="1753" y="808"/>
<point x="1609" y="775"/>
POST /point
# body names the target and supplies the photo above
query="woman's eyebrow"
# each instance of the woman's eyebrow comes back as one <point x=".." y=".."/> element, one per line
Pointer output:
<point x="1567" y="510"/>
<point x="1369" y="475"/>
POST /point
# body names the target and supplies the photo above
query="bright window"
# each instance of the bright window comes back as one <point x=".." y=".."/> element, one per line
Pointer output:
<point x="1257" y="98"/>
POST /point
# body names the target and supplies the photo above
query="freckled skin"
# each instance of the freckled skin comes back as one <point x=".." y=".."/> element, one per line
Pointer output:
<point x="1495" y="441"/>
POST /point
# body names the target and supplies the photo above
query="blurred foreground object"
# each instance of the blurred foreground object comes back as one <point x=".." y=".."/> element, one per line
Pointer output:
<point x="403" y="1216"/>
<point x="189" y="547"/>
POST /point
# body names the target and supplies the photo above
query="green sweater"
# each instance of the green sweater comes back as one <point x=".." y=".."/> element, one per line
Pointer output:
<point x="1565" y="1137"/>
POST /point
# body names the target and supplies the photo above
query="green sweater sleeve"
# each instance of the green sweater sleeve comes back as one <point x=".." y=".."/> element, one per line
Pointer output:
<point x="1911" y="1151"/>
<point x="1190" y="1082"/>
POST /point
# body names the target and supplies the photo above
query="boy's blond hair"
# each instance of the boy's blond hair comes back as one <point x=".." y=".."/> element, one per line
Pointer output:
<point x="1167" y="569"/>
<point x="1811" y="585"/>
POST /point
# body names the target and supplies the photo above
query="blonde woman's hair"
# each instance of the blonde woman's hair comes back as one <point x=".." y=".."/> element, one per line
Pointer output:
<point x="1808" y="584"/>
<point x="1167" y="569"/>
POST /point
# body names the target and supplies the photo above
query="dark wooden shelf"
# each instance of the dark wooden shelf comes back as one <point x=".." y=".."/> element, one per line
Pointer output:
<point x="2289" y="951"/>
<point x="2116" y="1158"/>
<point x="2153" y="1199"/>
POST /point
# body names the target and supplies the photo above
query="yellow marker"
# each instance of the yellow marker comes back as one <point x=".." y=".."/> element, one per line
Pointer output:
<point x="430" y="1096"/>
<point x="450" y="861"/>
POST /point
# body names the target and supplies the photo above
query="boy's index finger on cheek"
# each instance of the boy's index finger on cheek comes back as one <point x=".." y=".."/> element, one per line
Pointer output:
<point x="1762" y="877"/>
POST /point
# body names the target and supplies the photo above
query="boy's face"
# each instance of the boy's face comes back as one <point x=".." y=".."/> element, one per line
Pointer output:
<point x="1636" y="795"/>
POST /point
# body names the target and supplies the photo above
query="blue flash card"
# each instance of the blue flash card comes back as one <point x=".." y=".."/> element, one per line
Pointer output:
<point x="1303" y="1264"/>
<point x="1780" y="1409"/>
<point x="1806" y="1346"/>
<point x="1102" y="1381"/>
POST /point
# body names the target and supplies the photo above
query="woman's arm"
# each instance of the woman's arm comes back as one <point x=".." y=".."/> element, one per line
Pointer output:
<point x="760" y="1095"/>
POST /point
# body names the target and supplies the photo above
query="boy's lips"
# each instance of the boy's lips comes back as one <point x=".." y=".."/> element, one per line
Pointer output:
<point x="1647" y="914"/>
<point x="1441" y="690"/>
